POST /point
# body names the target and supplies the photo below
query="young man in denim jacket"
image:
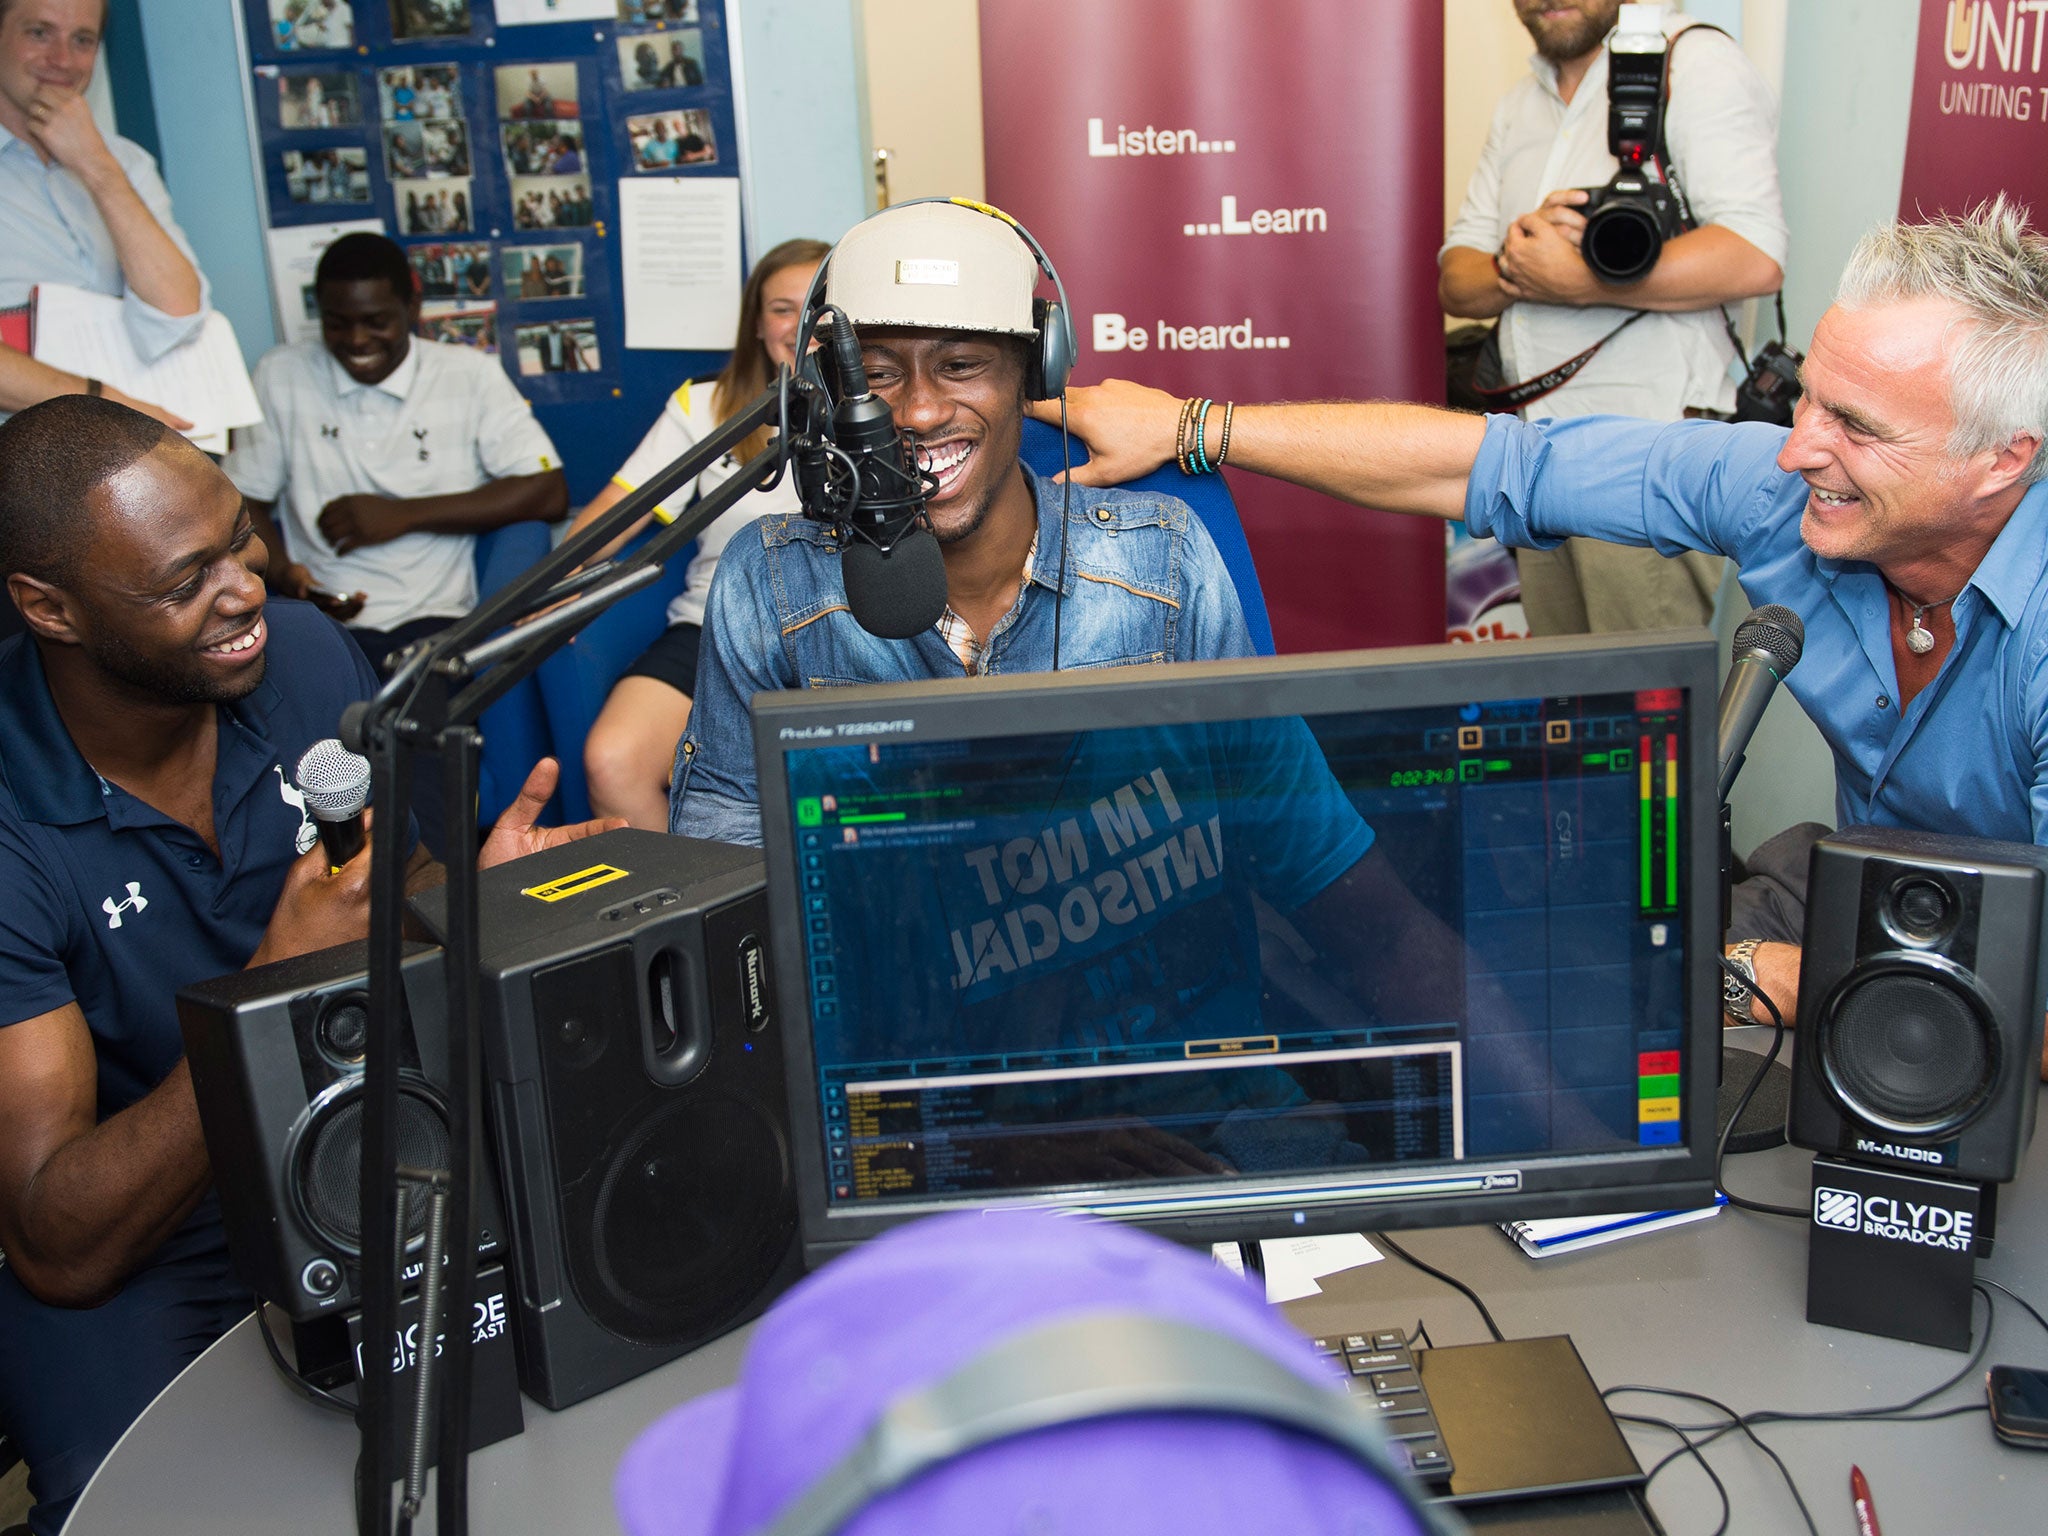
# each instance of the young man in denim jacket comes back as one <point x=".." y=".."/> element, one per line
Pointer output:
<point x="942" y="297"/>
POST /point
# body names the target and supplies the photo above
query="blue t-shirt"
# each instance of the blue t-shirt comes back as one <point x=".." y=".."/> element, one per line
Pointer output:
<point x="106" y="901"/>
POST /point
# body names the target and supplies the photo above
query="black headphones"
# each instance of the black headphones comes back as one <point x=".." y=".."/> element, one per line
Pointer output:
<point x="1051" y="362"/>
<point x="1092" y="1366"/>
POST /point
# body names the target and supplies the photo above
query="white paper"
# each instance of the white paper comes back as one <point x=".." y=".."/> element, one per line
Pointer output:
<point x="203" y="380"/>
<point x="1294" y="1264"/>
<point x="1228" y="1256"/>
<point x="527" y="13"/>
<point x="294" y="253"/>
<point x="679" y="239"/>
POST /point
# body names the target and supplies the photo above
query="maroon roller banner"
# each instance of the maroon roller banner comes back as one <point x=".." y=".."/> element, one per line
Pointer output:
<point x="1980" y="108"/>
<point x="1245" y="201"/>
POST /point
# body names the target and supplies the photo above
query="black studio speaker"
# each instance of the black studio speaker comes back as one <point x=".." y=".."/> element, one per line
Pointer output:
<point x="276" y="1054"/>
<point x="1920" y="1002"/>
<point x="634" y="1071"/>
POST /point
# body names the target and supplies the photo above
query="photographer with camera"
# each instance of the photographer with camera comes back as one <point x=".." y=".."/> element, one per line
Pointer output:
<point x="1610" y="298"/>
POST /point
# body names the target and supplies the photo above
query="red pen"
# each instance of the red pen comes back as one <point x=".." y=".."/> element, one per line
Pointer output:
<point x="1866" y="1507"/>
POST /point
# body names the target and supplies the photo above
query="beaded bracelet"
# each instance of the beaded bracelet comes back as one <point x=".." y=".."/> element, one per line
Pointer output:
<point x="1201" y="455"/>
<point x="1180" y="438"/>
<point x="1223" y="447"/>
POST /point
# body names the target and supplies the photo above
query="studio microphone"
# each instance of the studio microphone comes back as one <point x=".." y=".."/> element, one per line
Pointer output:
<point x="335" y="784"/>
<point x="1767" y="646"/>
<point x="895" y="577"/>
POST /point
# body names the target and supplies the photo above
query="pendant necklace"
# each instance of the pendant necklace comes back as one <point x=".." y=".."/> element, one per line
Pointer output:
<point x="1919" y="638"/>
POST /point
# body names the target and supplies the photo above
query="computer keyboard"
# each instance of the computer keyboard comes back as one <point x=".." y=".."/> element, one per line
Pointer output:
<point x="1380" y="1370"/>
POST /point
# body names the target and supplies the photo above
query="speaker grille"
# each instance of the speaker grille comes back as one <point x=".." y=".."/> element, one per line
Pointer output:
<point x="1909" y="1053"/>
<point x="690" y="1219"/>
<point x="331" y="1163"/>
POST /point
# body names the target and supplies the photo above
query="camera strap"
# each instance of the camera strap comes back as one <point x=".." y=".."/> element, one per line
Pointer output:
<point x="1512" y="397"/>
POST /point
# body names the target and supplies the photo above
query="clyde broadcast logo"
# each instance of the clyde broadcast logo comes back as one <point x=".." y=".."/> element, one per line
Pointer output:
<point x="1899" y="1221"/>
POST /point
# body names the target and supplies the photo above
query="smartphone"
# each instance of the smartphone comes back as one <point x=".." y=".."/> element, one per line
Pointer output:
<point x="2019" y="1405"/>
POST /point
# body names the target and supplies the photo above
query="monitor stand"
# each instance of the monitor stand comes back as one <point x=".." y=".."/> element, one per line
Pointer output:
<point x="1762" y="1125"/>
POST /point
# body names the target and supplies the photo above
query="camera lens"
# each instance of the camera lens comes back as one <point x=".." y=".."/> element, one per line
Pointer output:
<point x="1622" y="242"/>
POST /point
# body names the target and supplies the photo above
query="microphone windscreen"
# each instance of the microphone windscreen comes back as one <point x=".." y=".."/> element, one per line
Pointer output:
<point x="334" y="780"/>
<point x="1774" y="630"/>
<point x="897" y="595"/>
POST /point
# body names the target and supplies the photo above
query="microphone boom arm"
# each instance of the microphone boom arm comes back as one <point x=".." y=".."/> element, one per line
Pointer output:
<point x="430" y="705"/>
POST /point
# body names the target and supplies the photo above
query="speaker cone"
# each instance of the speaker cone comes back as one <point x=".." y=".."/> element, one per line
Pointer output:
<point x="329" y="1159"/>
<point x="690" y="1218"/>
<point x="1909" y="1048"/>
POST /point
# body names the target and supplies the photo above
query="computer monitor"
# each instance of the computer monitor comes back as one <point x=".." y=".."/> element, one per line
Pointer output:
<point x="1255" y="948"/>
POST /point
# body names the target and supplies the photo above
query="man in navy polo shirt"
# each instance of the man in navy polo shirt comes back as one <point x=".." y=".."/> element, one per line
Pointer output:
<point x="149" y="838"/>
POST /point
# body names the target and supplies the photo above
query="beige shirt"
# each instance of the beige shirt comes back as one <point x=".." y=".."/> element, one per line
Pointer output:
<point x="1722" y="129"/>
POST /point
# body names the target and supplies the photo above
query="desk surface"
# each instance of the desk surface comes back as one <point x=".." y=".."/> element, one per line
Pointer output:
<point x="1715" y="1307"/>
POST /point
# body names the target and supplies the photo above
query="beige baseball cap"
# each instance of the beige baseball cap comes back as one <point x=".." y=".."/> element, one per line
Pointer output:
<point x="936" y="266"/>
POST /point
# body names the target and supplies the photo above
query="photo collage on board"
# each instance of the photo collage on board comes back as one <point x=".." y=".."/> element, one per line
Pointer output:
<point x="379" y="121"/>
<point x="541" y="128"/>
<point x="430" y="159"/>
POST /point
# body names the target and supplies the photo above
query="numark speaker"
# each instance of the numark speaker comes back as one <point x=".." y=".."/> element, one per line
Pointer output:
<point x="634" y="1071"/>
<point x="276" y="1054"/>
<point x="1921" y="991"/>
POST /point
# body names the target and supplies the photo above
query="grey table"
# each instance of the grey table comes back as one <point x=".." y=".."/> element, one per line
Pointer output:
<point x="1717" y="1307"/>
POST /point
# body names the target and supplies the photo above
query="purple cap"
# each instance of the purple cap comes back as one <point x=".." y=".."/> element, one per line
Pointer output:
<point x="910" y="1309"/>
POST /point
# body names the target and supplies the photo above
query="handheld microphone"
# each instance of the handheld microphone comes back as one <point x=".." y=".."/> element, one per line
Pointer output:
<point x="872" y="491"/>
<point x="335" y="783"/>
<point x="1767" y="646"/>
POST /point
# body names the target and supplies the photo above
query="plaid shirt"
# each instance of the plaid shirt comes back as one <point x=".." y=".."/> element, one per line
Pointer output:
<point x="959" y="636"/>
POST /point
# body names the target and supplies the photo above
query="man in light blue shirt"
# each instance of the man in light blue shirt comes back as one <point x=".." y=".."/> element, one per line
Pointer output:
<point x="79" y="208"/>
<point x="1902" y="517"/>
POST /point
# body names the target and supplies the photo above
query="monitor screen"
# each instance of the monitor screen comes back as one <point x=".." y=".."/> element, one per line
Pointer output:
<point x="1247" y="948"/>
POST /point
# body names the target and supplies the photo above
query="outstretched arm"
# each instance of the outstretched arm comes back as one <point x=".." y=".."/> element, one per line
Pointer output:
<point x="1399" y="458"/>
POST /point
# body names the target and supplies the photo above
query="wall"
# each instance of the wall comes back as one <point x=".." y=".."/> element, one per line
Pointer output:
<point x="803" y="172"/>
<point x="196" y="73"/>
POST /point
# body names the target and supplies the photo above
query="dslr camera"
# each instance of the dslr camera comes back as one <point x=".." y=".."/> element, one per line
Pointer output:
<point x="1629" y="219"/>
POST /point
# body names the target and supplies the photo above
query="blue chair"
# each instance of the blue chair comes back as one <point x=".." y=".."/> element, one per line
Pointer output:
<point x="575" y="681"/>
<point x="515" y="728"/>
<point x="1208" y="495"/>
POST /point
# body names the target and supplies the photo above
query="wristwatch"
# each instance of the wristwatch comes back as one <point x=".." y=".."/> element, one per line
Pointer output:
<point x="1737" y="1000"/>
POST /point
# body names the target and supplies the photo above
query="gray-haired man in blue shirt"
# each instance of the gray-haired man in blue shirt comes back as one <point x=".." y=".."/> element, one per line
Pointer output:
<point x="1902" y="516"/>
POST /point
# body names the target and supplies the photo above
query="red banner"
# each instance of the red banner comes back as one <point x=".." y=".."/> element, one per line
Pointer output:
<point x="1245" y="202"/>
<point x="1980" y="108"/>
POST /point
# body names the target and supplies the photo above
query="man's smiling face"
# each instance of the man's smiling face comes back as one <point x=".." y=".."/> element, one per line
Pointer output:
<point x="1871" y="435"/>
<point x="169" y="598"/>
<point x="962" y="394"/>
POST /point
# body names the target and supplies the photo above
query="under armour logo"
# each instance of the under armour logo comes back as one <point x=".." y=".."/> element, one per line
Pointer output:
<point x="419" y="435"/>
<point x="135" y="903"/>
<point x="330" y="432"/>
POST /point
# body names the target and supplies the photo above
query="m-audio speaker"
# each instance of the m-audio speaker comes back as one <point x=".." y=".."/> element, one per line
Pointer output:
<point x="276" y="1054"/>
<point x="634" y="1067"/>
<point x="1921" y="992"/>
